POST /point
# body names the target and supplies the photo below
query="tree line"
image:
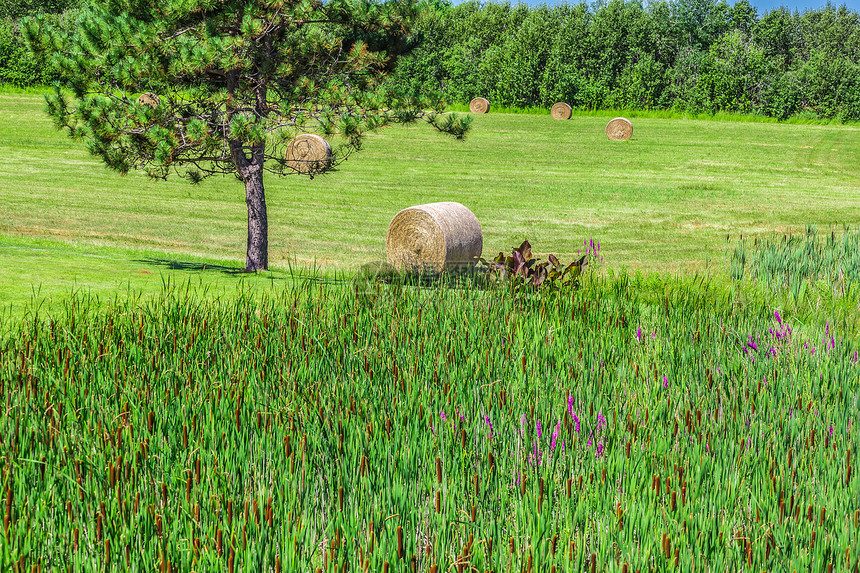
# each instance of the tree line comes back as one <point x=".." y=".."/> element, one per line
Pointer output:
<point x="689" y="55"/>
<point x="686" y="55"/>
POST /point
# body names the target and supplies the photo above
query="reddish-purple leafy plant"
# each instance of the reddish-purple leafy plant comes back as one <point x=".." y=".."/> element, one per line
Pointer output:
<point x="524" y="270"/>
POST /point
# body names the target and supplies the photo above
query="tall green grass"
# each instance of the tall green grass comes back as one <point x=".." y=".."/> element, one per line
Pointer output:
<point x="387" y="427"/>
<point x="797" y="263"/>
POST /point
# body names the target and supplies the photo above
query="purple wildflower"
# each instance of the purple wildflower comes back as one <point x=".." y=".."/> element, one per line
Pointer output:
<point x="665" y="382"/>
<point x="442" y="415"/>
<point x="639" y="334"/>
<point x="573" y="415"/>
<point x="554" y="436"/>
<point x="751" y="342"/>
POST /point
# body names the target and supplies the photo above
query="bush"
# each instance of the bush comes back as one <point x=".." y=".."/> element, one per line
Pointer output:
<point x="17" y="66"/>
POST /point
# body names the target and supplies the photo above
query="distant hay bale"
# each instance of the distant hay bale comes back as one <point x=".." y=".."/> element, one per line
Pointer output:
<point x="308" y="153"/>
<point x="149" y="99"/>
<point x="433" y="238"/>
<point x="479" y="105"/>
<point x="561" y="111"/>
<point x="619" y="129"/>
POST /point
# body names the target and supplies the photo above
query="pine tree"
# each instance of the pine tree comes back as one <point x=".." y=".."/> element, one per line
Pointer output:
<point x="205" y="87"/>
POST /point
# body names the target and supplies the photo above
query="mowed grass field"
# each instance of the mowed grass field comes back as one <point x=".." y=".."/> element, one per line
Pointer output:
<point x="665" y="200"/>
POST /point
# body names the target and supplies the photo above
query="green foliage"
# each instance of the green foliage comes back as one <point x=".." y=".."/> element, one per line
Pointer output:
<point x="20" y="8"/>
<point x="234" y="82"/>
<point x="17" y="66"/>
<point x="693" y="55"/>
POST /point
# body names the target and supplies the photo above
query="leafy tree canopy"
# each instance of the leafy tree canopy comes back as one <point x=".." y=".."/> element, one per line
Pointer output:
<point x="227" y="84"/>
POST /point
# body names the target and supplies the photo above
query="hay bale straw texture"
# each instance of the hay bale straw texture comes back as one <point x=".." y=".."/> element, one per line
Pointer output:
<point x="479" y="105"/>
<point x="149" y="99"/>
<point x="433" y="238"/>
<point x="561" y="111"/>
<point x="308" y="153"/>
<point x="619" y="129"/>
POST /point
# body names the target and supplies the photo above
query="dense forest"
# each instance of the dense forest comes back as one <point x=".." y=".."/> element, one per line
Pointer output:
<point x="689" y="55"/>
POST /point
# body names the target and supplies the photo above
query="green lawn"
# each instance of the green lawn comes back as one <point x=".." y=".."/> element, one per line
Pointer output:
<point x="664" y="200"/>
<point x="46" y="271"/>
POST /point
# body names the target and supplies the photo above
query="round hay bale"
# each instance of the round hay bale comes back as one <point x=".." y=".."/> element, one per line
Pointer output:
<point x="561" y="111"/>
<point x="308" y="153"/>
<point x="619" y="129"/>
<point x="479" y="105"/>
<point x="149" y="99"/>
<point x="433" y="238"/>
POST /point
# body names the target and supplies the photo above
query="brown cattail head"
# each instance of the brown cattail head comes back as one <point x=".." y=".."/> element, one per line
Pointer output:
<point x="438" y="470"/>
<point x="540" y="494"/>
<point x="399" y="542"/>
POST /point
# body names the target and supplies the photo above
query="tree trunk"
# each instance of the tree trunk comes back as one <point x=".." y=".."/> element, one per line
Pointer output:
<point x="257" y="257"/>
<point x="251" y="172"/>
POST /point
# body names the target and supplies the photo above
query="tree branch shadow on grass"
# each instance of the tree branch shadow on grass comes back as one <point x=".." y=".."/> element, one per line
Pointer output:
<point x="177" y="265"/>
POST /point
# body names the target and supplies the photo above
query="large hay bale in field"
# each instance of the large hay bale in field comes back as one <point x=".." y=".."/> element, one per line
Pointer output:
<point x="308" y="153"/>
<point x="479" y="105"/>
<point x="433" y="238"/>
<point x="561" y="111"/>
<point x="149" y="99"/>
<point x="619" y="129"/>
